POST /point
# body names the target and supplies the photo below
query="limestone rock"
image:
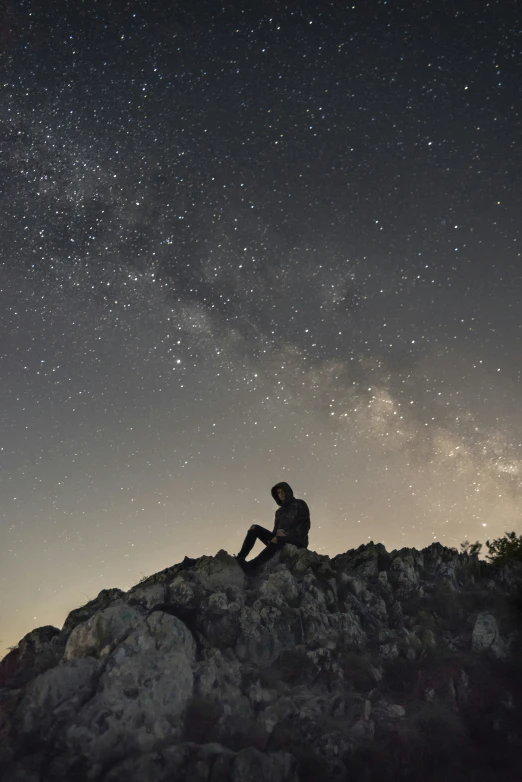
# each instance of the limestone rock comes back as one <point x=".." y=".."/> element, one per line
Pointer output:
<point x="199" y="674"/>
<point x="140" y="697"/>
<point x="148" y="595"/>
<point x="486" y="636"/>
<point x="102" y="631"/>
<point x="39" y="650"/>
<point x="52" y="700"/>
<point x="82" y="614"/>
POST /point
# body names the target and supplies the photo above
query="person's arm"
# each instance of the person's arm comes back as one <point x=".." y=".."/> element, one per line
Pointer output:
<point x="301" y="523"/>
<point x="276" y="530"/>
<point x="303" y="517"/>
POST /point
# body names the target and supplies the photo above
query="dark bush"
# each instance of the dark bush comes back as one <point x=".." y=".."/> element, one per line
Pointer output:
<point x="506" y="550"/>
<point x="201" y="720"/>
<point x="400" y="675"/>
<point x="357" y="670"/>
<point x="471" y="549"/>
<point x="445" y="606"/>
<point x="431" y="746"/>
<point x="312" y="768"/>
<point x="294" y="666"/>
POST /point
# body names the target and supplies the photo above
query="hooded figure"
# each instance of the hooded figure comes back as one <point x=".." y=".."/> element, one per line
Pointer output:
<point x="291" y="525"/>
<point x="293" y="516"/>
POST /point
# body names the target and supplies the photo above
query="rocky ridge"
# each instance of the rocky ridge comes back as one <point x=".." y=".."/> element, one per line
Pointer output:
<point x="369" y="665"/>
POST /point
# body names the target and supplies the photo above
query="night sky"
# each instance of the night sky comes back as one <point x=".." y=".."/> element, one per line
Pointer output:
<point x="244" y="243"/>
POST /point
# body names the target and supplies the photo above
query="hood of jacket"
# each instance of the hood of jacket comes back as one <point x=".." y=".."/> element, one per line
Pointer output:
<point x="289" y="494"/>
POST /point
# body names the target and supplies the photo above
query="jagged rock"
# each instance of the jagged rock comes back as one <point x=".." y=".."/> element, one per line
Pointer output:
<point x="363" y="730"/>
<point x="218" y="573"/>
<point x="101" y="633"/>
<point x="148" y="595"/>
<point x="251" y="765"/>
<point x="82" y="614"/>
<point x="140" y="697"/>
<point x="260" y="696"/>
<point x="363" y="563"/>
<point x="200" y="673"/>
<point x="270" y="717"/>
<point x="375" y="696"/>
<point x="217" y="685"/>
<point x="389" y="651"/>
<point x="402" y="568"/>
<point x="52" y="700"/>
<point x="279" y="589"/>
<point x="39" y="650"/>
<point x="510" y="576"/>
<point x="384" y="584"/>
<point x="396" y="710"/>
<point x="153" y="766"/>
<point x="486" y="636"/>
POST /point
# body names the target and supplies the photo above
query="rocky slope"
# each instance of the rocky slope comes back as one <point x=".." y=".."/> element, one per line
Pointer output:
<point x="368" y="666"/>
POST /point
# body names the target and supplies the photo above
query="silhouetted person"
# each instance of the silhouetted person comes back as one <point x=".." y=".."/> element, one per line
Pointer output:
<point x="292" y="524"/>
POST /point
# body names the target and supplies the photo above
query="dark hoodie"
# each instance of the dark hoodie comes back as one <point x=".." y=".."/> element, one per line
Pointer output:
<point x="292" y="516"/>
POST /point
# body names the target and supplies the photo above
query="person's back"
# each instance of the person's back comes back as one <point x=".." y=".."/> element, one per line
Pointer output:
<point x="293" y="515"/>
<point x="291" y="526"/>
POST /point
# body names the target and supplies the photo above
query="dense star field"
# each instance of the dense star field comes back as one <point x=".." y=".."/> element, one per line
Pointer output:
<point x="244" y="243"/>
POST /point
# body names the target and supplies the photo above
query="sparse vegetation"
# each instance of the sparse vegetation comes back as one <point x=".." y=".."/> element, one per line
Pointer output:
<point x="294" y="666"/>
<point x="412" y="699"/>
<point x="312" y="767"/>
<point x="357" y="670"/>
<point x="506" y="550"/>
<point x="471" y="549"/>
<point x="445" y="608"/>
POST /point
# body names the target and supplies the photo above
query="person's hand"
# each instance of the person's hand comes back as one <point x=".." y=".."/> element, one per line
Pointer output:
<point x="281" y="533"/>
<point x="274" y="540"/>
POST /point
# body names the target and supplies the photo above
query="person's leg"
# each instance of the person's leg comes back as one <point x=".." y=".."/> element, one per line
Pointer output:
<point x="252" y="535"/>
<point x="264" y="556"/>
<point x="271" y="549"/>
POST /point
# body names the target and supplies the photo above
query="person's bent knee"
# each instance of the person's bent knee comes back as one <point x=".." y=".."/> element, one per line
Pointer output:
<point x="253" y="526"/>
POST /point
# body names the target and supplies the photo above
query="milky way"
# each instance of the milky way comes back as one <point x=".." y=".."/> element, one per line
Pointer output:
<point x="247" y="244"/>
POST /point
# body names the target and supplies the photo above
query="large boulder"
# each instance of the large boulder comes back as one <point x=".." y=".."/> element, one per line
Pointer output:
<point x="38" y="651"/>
<point x="79" y="615"/>
<point x="52" y="700"/>
<point x="140" y="697"/>
<point x="486" y="636"/>
<point x="99" y="635"/>
<point x="199" y="673"/>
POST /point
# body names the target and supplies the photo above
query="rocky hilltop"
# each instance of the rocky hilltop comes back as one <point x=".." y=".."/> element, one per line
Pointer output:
<point x="367" y="666"/>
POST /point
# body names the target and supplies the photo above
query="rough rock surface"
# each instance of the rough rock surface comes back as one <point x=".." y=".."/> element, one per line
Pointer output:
<point x="371" y="665"/>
